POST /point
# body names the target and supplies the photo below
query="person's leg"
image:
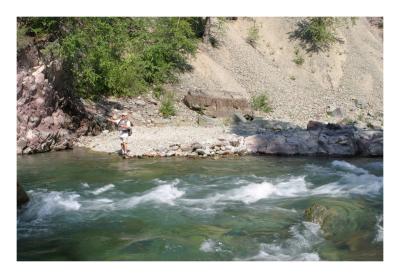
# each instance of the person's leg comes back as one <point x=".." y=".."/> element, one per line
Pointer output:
<point x="122" y="145"/>
<point x="125" y="145"/>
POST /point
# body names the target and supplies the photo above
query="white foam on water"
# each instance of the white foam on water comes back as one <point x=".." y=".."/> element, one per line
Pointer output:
<point x="85" y="184"/>
<point x="349" y="183"/>
<point x="352" y="181"/>
<point x="299" y="247"/>
<point x="43" y="203"/>
<point x="254" y="192"/>
<point x="346" y="166"/>
<point x="166" y="194"/>
<point x="379" y="229"/>
<point x="207" y="246"/>
<point x="98" y="204"/>
<point x="103" y="189"/>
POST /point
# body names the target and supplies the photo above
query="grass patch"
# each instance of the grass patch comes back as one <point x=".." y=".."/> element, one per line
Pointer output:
<point x="158" y="92"/>
<point x="167" y="108"/>
<point x="261" y="103"/>
<point x="253" y="35"/>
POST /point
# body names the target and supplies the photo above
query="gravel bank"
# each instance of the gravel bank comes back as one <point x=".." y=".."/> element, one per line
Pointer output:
<point x="146" y="139"/>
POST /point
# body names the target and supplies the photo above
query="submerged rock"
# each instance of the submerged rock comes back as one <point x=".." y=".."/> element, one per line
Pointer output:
<point x="316" y="214"/>
<point x="343" y="222"/>
<point x="22" y="197"/>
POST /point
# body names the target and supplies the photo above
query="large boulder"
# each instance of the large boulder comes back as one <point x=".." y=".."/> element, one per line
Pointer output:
<point x="318" y="139"/>
<point x="370" y="142"/>
<point x="337" y="142"/>
<point x="213" y="106"/>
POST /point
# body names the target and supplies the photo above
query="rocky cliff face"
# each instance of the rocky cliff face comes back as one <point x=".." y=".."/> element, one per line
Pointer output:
<point x="48" y="117"/>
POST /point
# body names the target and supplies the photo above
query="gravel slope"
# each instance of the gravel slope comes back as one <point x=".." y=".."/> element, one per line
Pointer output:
<point x="350" y="70"/>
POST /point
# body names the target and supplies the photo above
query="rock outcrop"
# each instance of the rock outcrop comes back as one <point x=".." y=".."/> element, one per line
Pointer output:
<point x="49" y="116"/>
<point x="318" y="139"/>
<point x="213" y="106"/>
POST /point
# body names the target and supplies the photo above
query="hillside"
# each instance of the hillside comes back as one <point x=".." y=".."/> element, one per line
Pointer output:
<point x="349" y="76"/>
<point x="62" y="98"/>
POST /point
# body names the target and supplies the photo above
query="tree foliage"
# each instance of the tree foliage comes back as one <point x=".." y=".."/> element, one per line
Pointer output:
<point x="114" y="55"/>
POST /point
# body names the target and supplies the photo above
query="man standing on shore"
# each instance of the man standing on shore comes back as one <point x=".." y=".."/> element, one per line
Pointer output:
<point x="125" y="130"/>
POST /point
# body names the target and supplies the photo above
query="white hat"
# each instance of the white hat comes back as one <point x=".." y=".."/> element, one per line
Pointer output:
<point x="124" y="114"/>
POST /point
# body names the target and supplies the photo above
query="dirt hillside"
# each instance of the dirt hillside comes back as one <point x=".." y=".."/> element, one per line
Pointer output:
<point x="349" y="76"/>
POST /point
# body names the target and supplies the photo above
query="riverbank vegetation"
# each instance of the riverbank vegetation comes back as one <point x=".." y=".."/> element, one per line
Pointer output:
<point x="114" y="56"/>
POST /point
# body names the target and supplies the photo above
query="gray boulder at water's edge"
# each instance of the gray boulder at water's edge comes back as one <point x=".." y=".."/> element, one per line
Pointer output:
<point x="318" y="139"/>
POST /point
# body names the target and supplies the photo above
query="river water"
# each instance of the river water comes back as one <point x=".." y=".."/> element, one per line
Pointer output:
<point x="92" y="206"/>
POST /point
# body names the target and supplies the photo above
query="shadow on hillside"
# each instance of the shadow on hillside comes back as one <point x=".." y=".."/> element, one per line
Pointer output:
<point x="107" y="106"/>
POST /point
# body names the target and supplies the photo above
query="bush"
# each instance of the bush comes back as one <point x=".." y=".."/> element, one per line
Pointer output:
<point x="117" y="56"/>
<point x="261" y="103"/>
<point x="22" y="39"/>
<point x="319" y="33"/>
<point x="167" y="107"/>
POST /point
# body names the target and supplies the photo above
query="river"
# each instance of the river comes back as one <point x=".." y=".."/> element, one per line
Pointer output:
<point x="94" y="206"/>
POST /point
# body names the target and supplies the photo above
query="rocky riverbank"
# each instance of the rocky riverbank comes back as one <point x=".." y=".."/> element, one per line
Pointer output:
<point x="255" y="137"/>
<point x="49" y="117"/>
<point x="341" y="88"/>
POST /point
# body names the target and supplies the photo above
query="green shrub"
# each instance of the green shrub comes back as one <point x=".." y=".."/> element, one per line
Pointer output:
<point x="117" y="56"/>
<point x="319" y="33"/>
<point x="253" y="35"/>
<point x="261" y="103"/>
<point x="22" y="39"/>
<point x="167" y="107"/>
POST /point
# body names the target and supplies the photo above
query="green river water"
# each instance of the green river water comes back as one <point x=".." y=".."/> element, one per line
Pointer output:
<point x="93" y="206"/>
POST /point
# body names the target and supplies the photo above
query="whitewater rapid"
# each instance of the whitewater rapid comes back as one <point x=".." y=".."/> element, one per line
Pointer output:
<point x="208" y="200"/>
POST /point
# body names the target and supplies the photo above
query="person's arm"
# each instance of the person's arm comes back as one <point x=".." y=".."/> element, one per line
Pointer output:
<point x="113" y="121"/>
